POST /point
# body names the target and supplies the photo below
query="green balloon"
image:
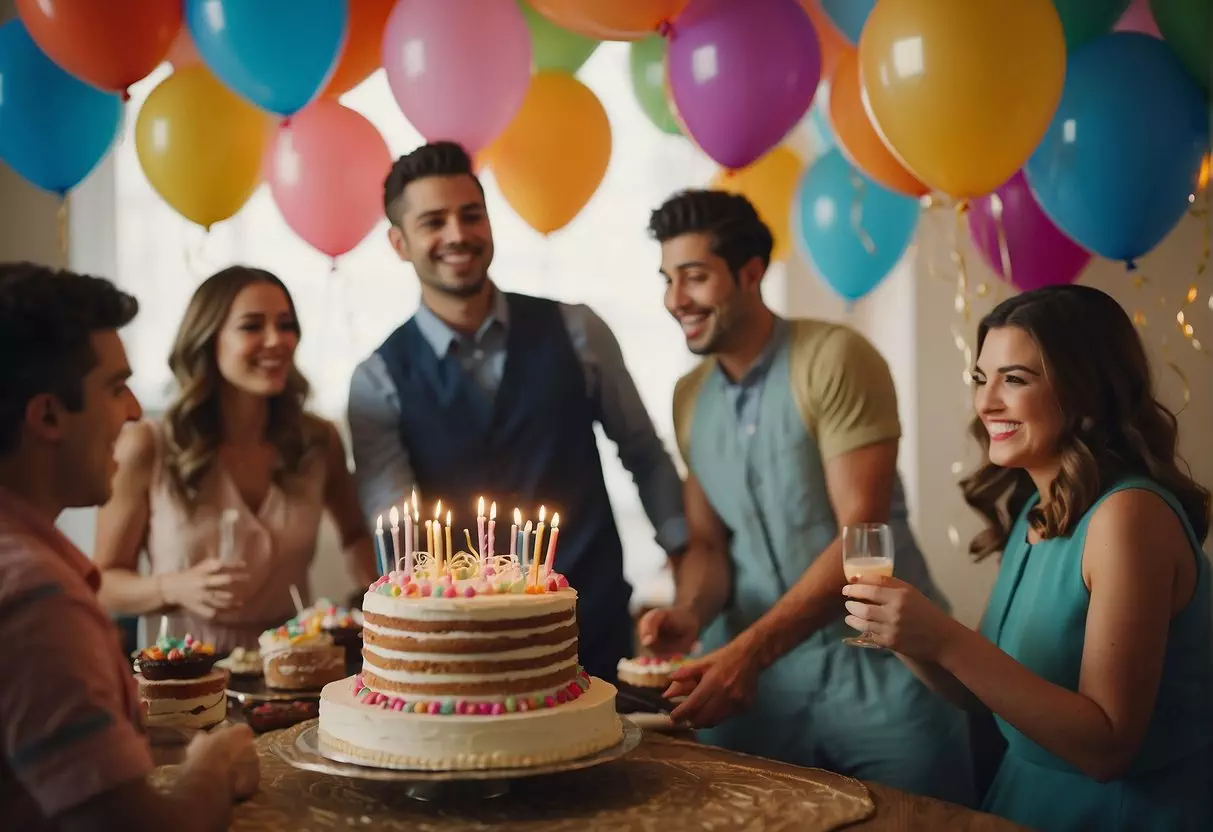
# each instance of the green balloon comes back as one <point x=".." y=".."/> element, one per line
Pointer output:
<point x="646" y="59"/>
<point x="1083" y="21"/>
<point x="1187" y="27"/>
<point x="553" y="47"/>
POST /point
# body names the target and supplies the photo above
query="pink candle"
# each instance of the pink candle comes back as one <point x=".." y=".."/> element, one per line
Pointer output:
<point x="408" y="542"/>
<point x="481" y="540"/>
<point x="551" y="556"/>
<point x="514" y="533"/>
<point x="492" y="544"/>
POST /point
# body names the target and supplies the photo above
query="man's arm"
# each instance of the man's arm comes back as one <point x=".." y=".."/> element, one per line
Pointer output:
<point x="382" y="472"/>
<point x="626" y="422"/>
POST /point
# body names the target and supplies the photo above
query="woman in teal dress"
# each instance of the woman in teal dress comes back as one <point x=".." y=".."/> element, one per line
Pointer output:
<point x="1095" y="654"/>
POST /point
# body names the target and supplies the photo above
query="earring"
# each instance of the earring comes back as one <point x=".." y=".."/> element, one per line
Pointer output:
<point x="1086" y="424"/>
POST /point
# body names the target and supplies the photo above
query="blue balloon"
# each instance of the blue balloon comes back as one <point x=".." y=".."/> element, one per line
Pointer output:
<point x="54" y="128"/>
<point x="853" y="230"/>
<point x="848" y="16"/>
<point x="278" y="54"/>
<point x="1123" y="153"/>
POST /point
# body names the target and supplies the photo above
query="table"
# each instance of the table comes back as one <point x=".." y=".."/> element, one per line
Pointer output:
<point x="666" y="784"/>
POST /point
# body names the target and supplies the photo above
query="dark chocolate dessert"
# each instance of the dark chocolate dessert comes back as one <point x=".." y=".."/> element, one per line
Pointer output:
<point x="171" y="658"/>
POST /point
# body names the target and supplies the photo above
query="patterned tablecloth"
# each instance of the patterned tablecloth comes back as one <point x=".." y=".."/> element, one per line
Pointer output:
<point x="664" y="785"/>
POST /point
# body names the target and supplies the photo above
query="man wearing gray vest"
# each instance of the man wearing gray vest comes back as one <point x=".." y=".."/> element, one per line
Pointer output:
<point x="789" y="429"/>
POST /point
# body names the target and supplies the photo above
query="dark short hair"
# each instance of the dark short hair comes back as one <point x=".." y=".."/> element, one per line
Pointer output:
<point x="434" y="159"/>
<point x="738" y="233"/>
<point x="47" y="317"/>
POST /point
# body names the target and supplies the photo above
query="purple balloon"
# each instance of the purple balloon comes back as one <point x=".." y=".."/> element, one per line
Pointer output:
<point x="1039" y="254"/>
<point x="742" y="74"/>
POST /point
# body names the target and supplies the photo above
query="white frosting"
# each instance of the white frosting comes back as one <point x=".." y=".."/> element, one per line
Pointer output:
<point x="158" y="707"/>
<point x="489" y="607"/>
<point x="466" y="634"/>
<point x="652" y="668"/>
<point x="427" y="678"/>
<point x="520" y="653"/>
<point x="212" y="715"/>
<point x="398" y="740"/>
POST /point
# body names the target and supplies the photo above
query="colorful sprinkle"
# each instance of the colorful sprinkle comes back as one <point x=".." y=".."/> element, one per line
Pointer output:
<point x="511" y="704"/>
<point x="498" y="709"/>
<point x="549" y="702"/>
<point x="398" y="704"/>
<point x="420" y="708"/>
<point x="448" y="707"/>
<point x="435" y="707"/>
<point x="469" y="592"/>
<point x="451" y="592"/>
<point x="439" y="591"/>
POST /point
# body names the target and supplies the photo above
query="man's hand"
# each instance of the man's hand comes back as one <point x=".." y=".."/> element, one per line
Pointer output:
<point x="716" y="687"/>
<point x="669" y="631"/>
<point x="228" y="752"/>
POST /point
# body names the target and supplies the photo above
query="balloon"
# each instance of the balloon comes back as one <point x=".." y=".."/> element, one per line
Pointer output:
<point x="200" y="145"/>
<point x="1124" y="151"/>
<point x="270" y="52"/>
<point x="109" y="47"/>
<point x="1084" y="20"/>
<point x="770" y="185"/>
<point x="363" y="52"/>
<point x="821" y="130"/>
<point x="1187" y="26"/>
<point x="613" y="20"/>
<point x="962" y="92"/>
<point x="1038" y="253"/>
<point x="458" y="76"/>
<point x="552" y="157"/>
<point x="848" y="16"/>
<point x="555" y="48"/>
<point x="646" y="61"/>
<point x="182" y="52"/>
<point x="1138" y="18"/>
<point x="857" y="137"/>
<point x="833" y="44"/>
<point x="853" y="230"/>
<point x="54" y="128"/>
<point x="326" y="170"/>
<point x="764" y="68"/>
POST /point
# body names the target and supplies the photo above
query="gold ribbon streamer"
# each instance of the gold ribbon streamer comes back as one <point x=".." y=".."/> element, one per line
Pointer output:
<point x="62" y="218"/>
<point x="857" y="214"/>
<point x="1004" y="250"/>
<point x="961" y="301"/>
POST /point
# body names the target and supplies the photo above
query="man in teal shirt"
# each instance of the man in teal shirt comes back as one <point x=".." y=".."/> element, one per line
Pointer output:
<point x="789" y="429"/>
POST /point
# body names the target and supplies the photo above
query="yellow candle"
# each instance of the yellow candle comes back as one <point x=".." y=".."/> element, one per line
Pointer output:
<point x="437" y="541"/>
<point x="429" y="537"/>
<point x="449" y="550"/>
<point x="534" y="579"/>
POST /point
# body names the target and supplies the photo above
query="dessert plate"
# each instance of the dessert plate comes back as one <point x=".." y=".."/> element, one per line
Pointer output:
<point x="300" y="747"/>
<point x="252" y="689"/>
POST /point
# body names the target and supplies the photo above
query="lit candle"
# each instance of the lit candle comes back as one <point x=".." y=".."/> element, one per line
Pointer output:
<point x="163" y="629"/>
<point x="296" y="599"/>
<point x="480" y="534"/>
<point x="437" y="540"/>
<point x="408" y="563"/>
<point x="492" y="543"/>
<point x="381" y="552"/>
<point x="514" y="533"/>
<point x="429" y="536"/>
<point x="536" y="559"/>
<point x="408" y="541"/>
<point x="446" y="553"/>
<point x="394" y="516"/>
<point x="551" y="558"/>
<point x="526" y="539"/>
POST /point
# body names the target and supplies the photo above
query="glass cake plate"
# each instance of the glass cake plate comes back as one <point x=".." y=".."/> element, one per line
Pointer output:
<point x="299" y="746"/>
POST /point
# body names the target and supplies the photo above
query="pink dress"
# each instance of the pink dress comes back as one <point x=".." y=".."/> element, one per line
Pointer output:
<point x="276" y="543"/>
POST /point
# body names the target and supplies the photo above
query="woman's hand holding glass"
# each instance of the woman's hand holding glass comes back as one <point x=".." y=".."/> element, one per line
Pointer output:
<point x="898" y="616"/>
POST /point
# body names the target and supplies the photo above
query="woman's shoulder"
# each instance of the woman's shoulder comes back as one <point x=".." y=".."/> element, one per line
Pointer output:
<point x="1137" y="514"/>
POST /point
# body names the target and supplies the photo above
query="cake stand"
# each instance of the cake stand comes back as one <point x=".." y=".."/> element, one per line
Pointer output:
<point x="299" y="746"/>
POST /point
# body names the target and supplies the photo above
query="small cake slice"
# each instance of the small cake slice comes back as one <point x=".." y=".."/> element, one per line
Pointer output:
<point x="649" y="671"/>
<point x="299" y="655"/>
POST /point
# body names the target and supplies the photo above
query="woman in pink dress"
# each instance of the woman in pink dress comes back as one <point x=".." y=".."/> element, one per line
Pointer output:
<point x="226" y="493"/>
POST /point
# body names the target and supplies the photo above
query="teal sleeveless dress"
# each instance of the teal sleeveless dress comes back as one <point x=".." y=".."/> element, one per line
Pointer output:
<point x="1037" y="614"/>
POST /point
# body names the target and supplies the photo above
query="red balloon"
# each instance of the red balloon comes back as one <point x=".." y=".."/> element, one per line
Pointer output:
<point x="326" y="170"/>
<point x="108" y="45"/>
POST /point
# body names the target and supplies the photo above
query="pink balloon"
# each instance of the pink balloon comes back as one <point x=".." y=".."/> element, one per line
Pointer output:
<point x="326" y="170"/>
<point x="183" y="53"/>
<point x="458" y="74"/>
<point x="1039" y="254"/>
<point x="1138" y="18"/>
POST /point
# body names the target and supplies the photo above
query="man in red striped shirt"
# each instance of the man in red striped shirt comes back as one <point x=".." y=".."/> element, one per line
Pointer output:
<point x="73" y="754"/>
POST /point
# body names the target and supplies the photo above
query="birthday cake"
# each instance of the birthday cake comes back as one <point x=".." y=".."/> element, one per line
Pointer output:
<point x="302" y="654"/>
<point x="469" y="665"/>
<point x="179" y="686"/>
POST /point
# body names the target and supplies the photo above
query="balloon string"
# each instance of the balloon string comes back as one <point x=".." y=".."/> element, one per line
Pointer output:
<point x="194" y="252"/>
<point x="61" y="217"/>
<point x="1182" y="318"/>
<point x="1004" y="251"/>
<point x="857" y="214"/>
<point x="961" y="300"/>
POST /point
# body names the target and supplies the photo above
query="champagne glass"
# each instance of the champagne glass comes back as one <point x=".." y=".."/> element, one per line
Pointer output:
<point x="867" y="550"/>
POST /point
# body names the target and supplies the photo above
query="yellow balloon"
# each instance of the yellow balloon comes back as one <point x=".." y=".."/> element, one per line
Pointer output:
<point x="200" y="145"/>
<point x="552" y="157"/>
<point x="770" y="185"/>
<point x="962" y="91"/>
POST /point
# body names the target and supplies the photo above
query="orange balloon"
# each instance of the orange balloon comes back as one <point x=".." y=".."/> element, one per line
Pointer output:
<point x="363" y="52"/>
<point x="108" y="45"/>
<point x="833" y="45"/>
<point x="858" y="139"/>
<point x="610" y="19"/>
<point x="770" y="185"/>
<point x="552" y="157"/>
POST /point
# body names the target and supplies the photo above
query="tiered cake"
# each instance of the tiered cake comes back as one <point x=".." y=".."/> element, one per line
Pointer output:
<point x="469" y="667"/>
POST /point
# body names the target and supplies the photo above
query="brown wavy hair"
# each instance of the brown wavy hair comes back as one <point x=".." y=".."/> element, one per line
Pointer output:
<point x="1113" y="426"/>
<point x="194" y="423"/>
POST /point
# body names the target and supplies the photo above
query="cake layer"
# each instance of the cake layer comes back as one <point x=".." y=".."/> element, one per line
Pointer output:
<point x="440" y="742"/>
<point x="304" y="667"/>
<point x="193" y="705"/>
<point x="197" y="717"/>
<point x="178" y="689"/>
